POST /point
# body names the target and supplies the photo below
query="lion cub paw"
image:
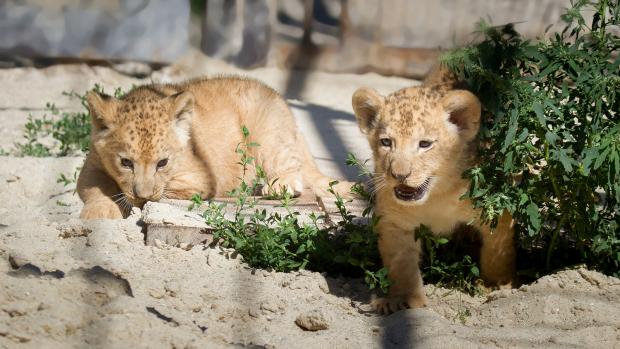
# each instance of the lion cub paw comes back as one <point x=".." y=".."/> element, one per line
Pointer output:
<point x="291" y="185"/>
<point x="393" y="304"/>
<point x="100" y="211"/>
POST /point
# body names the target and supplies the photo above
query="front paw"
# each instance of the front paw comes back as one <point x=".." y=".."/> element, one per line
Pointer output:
<point x="289" y="185"/>
<point x="488" y="287"/>
<point x="393" y="304"/>
<point x="101" y="211"/>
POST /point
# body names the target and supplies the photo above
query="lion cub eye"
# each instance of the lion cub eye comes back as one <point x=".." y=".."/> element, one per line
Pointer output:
<point x="162" y="163"/>
<point x="386" y="142"/>
<point x="425" y="144"/>
<point x="126" y="163"/>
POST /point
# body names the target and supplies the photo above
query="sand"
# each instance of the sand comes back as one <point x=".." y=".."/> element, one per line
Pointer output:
<point x="66" y="283"/>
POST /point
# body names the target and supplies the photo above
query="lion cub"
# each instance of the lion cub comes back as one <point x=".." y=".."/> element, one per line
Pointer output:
<point x="423" y="138"/>
<point x="172" y="141"/>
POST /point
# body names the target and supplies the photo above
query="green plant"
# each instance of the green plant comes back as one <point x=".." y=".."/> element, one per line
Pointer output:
<point x="282" y="242"/>
<point x="69" y="130"/>
<point x="447" y="267"/>
<point x="67" y="181"/>
<point x="62" y="203"/>
<point x="550" y="136"/>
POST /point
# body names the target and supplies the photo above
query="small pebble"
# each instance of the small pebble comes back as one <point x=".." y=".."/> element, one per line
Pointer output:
<point x="254" y="312"/>
<point x="312" y="321"/>
<point x="158" y="243"/>
<point x="185" y="246"/>
<point x="270" y="305"/>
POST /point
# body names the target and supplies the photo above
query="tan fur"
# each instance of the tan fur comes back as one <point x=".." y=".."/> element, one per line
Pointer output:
<point x="196" y="125"/>
<point x="450" y="120"/>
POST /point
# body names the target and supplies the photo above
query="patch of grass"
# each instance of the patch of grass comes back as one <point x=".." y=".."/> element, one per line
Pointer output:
<point x="550" y="136"/>
<point x="283" y="243"/>
<point x="58" y="133"/>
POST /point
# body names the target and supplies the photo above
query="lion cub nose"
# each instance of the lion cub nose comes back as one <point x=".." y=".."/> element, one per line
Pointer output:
<point x="143" y="192"/>
<point x="399" y="176"/>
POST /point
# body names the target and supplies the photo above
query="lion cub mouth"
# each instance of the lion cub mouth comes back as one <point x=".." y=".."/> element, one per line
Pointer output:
<point x="407" y="193"/>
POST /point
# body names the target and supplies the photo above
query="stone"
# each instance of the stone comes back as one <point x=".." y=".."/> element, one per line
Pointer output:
<point x="171" y="224"/>
<point x="314" y="320"/>
<point x="270" y="306"/>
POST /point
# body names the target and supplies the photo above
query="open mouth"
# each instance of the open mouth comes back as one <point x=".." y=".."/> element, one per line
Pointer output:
<point x="407" y="193"/>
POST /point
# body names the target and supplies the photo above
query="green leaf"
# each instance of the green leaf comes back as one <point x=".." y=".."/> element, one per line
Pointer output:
<point x="442" y="241"/>
<point x="601" y="158"/>
<point x="512" y="131"/>
<point x="551" y="137"/>
<point x="565" y="160"/>
<point x="540" y="113"/>
<point x="590" y="155"/>
<point x="534" y="218"/>
<point x="245" y="131"/>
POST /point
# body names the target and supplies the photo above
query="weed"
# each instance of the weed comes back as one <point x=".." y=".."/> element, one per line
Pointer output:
<point x="447" y="267"/>
<point x="283" y="243"/>
<point x="462" y="314"/>
<point x="69" y="131"/>
<point x="67" y="181"/>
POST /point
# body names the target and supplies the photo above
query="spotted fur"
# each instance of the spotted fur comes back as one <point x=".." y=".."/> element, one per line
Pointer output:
<point x="173" y="141"/>
<point x="431" y="131"/>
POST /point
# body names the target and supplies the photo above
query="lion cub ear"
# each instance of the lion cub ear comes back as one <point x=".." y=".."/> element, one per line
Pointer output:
<point x="102" y="109"/>
<point x="367" y="103"/>
<point x="463" y="109"/>
<point x="182" y="112"/>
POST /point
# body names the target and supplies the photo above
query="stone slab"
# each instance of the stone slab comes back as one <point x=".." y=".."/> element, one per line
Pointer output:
<point x="172" y="222"/>
<point x="355" y="207"/>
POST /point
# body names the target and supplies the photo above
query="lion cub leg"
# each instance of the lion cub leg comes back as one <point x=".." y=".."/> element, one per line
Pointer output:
<point x="400" y="253"/>
<point x="498" y="255"/>
<point x="283" y="172"/>
<point x="281" y="161"/>
<point x="98" y="191"/>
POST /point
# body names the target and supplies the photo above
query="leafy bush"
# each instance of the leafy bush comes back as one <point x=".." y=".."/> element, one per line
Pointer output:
<point x="550" y="137"/>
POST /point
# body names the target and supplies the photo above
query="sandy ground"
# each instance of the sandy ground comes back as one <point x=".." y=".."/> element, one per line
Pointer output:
<point x="66" y="283"/>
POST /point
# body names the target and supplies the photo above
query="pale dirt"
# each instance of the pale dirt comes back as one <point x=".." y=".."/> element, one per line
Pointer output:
<point x="66" y="283"/>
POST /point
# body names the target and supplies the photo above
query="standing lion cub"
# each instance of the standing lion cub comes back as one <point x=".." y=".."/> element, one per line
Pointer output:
<point x="173" y="141"/>
<point x="423" y="138"/>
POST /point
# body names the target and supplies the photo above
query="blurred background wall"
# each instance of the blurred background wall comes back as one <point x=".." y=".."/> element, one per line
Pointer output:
<point x="147" y="30"/>
<point x="399" y="37"/>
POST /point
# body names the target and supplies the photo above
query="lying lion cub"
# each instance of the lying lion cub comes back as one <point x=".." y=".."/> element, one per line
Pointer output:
<point x="172" y="141"/>
<point x="423" y="138"/>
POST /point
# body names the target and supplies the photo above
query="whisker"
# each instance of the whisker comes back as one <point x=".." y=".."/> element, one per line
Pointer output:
<point x="121" y="199"/>
<point x="376" y="183"/>
<point x="128" y="206"/>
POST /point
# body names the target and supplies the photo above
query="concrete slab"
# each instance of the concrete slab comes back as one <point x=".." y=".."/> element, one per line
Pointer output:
<point x="172" y="222"/>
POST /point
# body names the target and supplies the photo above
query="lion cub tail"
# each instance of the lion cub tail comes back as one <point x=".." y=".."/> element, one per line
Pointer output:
<point x="314" y="179"/>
